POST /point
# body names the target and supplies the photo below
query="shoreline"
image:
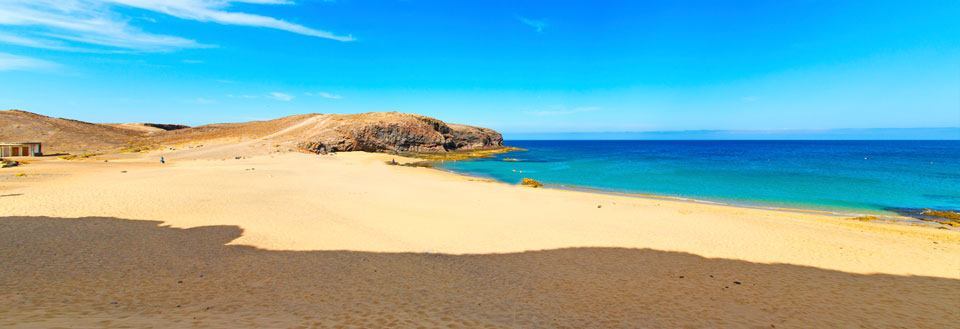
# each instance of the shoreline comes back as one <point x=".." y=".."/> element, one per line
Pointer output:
<point x="305" y="240"/>
<point x="359" y="174"/>
<point x="881" y="217"/>
<point x="885" y="217"/>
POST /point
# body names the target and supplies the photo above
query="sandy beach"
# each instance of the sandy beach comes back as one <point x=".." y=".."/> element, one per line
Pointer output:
<point x="484" y="164"/>
<point x="300" y="240"/>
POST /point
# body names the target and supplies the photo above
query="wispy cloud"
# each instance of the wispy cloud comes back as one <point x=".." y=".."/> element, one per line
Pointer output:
<point x="281" y="96"/>
<point x="78" y="25"/>
<point x="324" y="95"/>
<point x="192" y="61"/>
<point x="537" y="24"/>
<point x="749" y="99"/>
<point x="17" y="40"/>
<point x="560" y="110"/>
<point x="212" y="11"/>
<point x="10" y="62"/>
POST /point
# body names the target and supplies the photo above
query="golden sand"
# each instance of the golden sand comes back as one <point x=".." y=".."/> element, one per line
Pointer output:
<point x="288" y="239"/>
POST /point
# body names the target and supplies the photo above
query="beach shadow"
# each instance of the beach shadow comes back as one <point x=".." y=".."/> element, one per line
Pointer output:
<point x="10" y="195"/>
<point x="101" y="272"/>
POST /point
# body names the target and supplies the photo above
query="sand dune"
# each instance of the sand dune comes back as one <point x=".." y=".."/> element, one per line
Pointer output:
<point x="293" y="239"/>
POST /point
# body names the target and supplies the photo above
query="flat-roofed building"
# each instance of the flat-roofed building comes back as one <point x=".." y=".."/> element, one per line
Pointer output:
<point x="25" y="149"/>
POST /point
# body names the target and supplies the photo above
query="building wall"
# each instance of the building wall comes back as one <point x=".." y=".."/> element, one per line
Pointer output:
<point x="7" y="150"/>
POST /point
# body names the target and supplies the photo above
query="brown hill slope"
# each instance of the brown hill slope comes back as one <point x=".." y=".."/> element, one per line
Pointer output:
<point x="63" y="135"/>
<point x="372" y="132"/>
<point x="320" y="133"/>
<point x="147" y="127"/>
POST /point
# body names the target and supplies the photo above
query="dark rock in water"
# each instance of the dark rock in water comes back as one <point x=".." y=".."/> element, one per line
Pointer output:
<point x="946" y="217"/>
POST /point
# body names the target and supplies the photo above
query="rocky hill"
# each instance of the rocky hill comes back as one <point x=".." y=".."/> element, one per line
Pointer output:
<point x="317" y="133"/>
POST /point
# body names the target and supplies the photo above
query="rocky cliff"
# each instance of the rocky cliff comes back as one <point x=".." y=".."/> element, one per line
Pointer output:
<point x="396" y="132"/>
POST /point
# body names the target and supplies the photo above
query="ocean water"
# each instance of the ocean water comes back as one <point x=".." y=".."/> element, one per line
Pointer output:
<point x="871" y="176"/>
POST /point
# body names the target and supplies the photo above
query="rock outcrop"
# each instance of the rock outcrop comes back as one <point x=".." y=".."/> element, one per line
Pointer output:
<point x="397" y="132"/>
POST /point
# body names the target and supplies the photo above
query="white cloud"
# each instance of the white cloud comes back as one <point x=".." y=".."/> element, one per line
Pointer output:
<point x="537" y="24"/>
<point x="36" y="42"/>
<point x="69" y="24"/>
<point x="211" y="11"/>
<point x="560" y="110"/>
<point x="192" y="61"/>
<point x="324" y="95"/>
<point x="281" y="96"/>
<point x="10" y="62"/>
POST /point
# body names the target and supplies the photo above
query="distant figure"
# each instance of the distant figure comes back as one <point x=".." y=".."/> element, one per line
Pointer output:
<point x="162" y="160"/>
<point x="393" y="162"/>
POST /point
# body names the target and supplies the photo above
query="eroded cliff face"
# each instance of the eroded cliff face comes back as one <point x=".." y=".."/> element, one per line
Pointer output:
<point x="397" y="132"/>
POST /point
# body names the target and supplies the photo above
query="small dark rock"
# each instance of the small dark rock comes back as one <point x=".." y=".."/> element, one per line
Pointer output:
<point x="179" y="281"/>
<point x="736" y="282"/>
<point x="681" y="276"/>
<point x="598" y="206"/>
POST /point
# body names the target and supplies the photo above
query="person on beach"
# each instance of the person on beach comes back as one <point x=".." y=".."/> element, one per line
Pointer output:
<point x="162" y="160"/>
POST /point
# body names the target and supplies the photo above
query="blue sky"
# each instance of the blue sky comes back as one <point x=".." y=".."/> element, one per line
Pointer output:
<point x="519" y="67"/>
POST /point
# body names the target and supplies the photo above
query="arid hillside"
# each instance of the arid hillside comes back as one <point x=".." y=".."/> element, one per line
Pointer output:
<point x="150" y="128"/>
<point x="319" y="133"/>
<point x="64" y="135"/>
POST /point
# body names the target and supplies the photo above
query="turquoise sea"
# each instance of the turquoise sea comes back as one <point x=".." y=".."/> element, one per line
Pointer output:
<point x="860" y="176"/>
